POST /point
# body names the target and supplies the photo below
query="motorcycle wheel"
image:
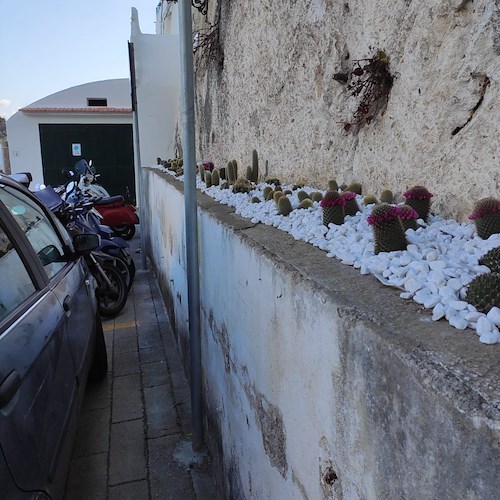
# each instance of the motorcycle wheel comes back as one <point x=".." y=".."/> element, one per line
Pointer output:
<point x="124" y="269"/>
<point x="125" y="232"/>
<point x="111" y="300"/>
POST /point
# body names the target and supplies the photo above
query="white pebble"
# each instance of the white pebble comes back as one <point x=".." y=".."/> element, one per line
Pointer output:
<point x="483" y="325"/>
<point x="437" y="265"/>
<point x="494" y="316"/>
<point x="438" y="312"/>
<point x="431" y="301"/>
<point x="412" y="285"/>
<point x="490" y="338"/>
<point x="458" y="305"/>
<point x="458" y="322"/>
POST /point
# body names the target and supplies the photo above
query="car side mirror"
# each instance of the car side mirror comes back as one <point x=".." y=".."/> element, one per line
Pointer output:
<point x="85" y="243"/>
<point x="49" y="254"/>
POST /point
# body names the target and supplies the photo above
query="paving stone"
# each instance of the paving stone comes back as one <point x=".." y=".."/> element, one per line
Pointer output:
<point x="98" y="395"/>
<point x="160" y="411"/>
<point x="126" y="363"/>
<point x="151" y="354"/>
<point x="155" y="374"/>
<point x="125" y="340"/>
<point x="127" y="398"/>
<point x="127" y="456"/>
<point x="129" y="491"/>
<point x="149" y="338"/>
<point x="170" y="480"/>
<point x="88" y="478"/>
<point x="93" y="432"/>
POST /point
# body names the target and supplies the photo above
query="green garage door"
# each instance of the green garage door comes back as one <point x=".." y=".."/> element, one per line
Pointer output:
<point x="110" y="147"/>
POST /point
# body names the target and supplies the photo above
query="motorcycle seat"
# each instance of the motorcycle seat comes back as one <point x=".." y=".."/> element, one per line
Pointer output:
<point x="110" y="199"/>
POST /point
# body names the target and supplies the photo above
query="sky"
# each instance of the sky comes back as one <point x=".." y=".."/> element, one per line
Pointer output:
<point x="51" y="45"/>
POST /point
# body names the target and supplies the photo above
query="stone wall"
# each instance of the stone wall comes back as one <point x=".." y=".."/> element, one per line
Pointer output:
<point x="272" y="88"/>
<point x="319" y="382"/>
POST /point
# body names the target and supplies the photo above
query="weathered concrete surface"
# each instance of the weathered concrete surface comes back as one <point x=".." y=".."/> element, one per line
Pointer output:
<point x="320" y="382"/>
<point x="275" y="92"/>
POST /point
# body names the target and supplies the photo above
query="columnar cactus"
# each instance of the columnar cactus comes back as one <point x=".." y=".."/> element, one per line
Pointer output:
<point x="420" y="200"/>
<point x="333" y="208"/>
<point x="215" y="177"/>
<point x="208" y="178"/>
<point x="255" y="167"/>
<point x="351" y="206"/>
<point x="388" y="231"/>
<point x="486" y="216"/>
<point x="408" y="217"/>
<point x="231" y="174"/>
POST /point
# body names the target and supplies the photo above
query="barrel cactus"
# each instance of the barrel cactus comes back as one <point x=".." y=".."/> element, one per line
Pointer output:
<point x="491" y="259"/>
<point x="355" y="187"/>
<point x="302" y="195"/>
<point x="486" y="216"/>
<point x="483" y="292"/>
<point x="333" y="208"/>
<point x="370" y="199"/>
<point x="306" y="203"/>
<point x="419" y="198"/>
<point x="351" y="206"/>
<point x="266" y="191"/>
<point x="388" y="231"/>
<point x="242" y="186"/>
<point x="386" y="196"/>
<point x="284" y="205"/>
<point x="316" y="196"/>
<point x="332" y="185"/>
<point x="277" y="195"/>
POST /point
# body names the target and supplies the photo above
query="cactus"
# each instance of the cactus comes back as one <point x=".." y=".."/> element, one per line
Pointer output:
<point x="306" y="203"/>
<point x="343" y="187"/>
<point x="408" y="217"/>
<point x="370" y="199"/>
<point x="255" y="199"/>
<point x="301" y="195"/>
<point x="267" y="190"/>
<point x="201" y="172"/>
<point x="386" y="196"/>
<point x="274" y="181"/>
<point x="158" y="161"/>
<point x="333" y="208"/>
<point x="277" y="195"/>
<point x="387" y="228"/>
<point x="222" y="172"/>
<point x="235" y="166"/>
<point x="208" y="178"/>
<point x="255" y="167"/>
<point x="287" y="191"/>
<point x="491" y="259"/>
<point x="332" y="185"/>
<point x="224" y="185"/>
<point x="420" y="200"/>
<point x="215" y="177"/>
<point x="278" y="188"/>
<point x="231" y="174"/>
<point x="486" y="216"/>
<point x="316" y="196"/>
<point x="284" y="205"/>
<point x="351" y="206"/>
<point x="483" y="292"/>
<point x="242" y="186"/>
<point x="249" y="174"/>
<point x="355" y="187"/>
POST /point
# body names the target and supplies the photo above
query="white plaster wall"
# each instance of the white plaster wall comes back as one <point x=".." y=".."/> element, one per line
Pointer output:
<point x="157" y="81"/>
<point x="296" y="381"/>
<point x="276" y="93"/>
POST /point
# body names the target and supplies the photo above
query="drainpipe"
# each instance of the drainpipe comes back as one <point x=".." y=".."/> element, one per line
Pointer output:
<point x="137" y="153"/>
<point x="191" y="214"/>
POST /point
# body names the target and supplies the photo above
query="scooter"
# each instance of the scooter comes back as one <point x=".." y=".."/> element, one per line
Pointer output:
<point x="120" y="216"/>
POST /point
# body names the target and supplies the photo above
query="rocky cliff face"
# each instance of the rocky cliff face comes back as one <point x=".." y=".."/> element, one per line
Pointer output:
<point x="273" y="84"/>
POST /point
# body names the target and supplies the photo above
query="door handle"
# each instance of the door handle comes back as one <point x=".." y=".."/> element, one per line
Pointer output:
<point x="9" y="387"/>
<point x="67" y="303"/>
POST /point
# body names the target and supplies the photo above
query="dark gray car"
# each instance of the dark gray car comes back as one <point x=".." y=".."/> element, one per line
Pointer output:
<point x="51" y="342"/>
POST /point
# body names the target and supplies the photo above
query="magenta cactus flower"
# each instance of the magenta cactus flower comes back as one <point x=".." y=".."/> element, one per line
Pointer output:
<point x="378" y="217"/>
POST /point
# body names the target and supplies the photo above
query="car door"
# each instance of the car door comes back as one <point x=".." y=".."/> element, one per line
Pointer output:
<point x="38" y="382"/>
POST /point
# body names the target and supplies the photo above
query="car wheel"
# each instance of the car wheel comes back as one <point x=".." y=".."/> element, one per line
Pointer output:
<point x="99" y="367"/>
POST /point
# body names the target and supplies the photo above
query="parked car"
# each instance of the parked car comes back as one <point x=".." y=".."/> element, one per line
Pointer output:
<point x="51" y="343"/>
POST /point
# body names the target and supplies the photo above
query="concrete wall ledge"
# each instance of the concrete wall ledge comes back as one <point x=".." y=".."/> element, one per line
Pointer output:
<point x="321" y="382"/>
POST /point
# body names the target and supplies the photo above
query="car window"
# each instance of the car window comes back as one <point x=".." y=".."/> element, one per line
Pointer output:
<point x="17" y="285"/>
<point x="38" y="229"/>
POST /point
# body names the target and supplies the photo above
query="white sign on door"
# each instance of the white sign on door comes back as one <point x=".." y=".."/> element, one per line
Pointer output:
<point x="77" y="149"/>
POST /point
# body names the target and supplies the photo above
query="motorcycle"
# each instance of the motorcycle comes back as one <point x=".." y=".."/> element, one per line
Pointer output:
<point x="108" y="270"/>
<point x="116" y="213"/>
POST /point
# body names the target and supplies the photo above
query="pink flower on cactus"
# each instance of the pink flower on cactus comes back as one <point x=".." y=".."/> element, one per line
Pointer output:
<point x="492" y="207"/>
<point x="392" y="213"/>
<point x="407" y="213"/>
<point x="417" y="193"/>
<point x="332" y="199"/>
<point x="348" y="195"/>
<point x="208" y="166"/>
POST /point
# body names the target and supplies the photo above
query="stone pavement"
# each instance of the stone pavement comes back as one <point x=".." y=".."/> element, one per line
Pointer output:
<point x="133" y="439"/>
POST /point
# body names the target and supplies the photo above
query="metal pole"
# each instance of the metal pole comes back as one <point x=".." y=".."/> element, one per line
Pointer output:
<point x="191" y="213"/>
<point x="137" y="155"/>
